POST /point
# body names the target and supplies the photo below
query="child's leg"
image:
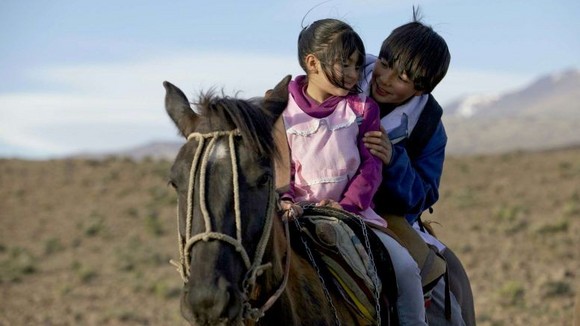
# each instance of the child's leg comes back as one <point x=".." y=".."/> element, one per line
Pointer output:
<point x="410" y="302"/>
<point x="436" y="311"/>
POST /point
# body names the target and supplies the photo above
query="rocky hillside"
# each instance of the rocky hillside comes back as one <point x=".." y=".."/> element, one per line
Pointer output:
<point x="543" y="115"/>
<point x="87" y="242"/>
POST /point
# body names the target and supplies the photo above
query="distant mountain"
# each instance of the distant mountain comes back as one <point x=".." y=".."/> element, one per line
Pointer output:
<point x="543" y="115"/>
<point x="545" y="89"/>
<point x="155" y="151"/>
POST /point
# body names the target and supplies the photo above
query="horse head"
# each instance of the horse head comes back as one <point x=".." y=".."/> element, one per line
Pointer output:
<point x="224" y="179"/>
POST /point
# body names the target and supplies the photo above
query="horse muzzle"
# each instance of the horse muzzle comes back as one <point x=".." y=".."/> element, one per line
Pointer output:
<point x="212" y="304"/>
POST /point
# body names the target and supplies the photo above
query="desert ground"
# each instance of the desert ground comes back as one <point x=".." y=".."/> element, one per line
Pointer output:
<point x="87" y="242"/>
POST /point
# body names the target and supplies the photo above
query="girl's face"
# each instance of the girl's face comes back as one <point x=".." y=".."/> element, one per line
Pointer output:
<point x="348" y="71"/>
<point x="320" y="87"/>
<point x="388" y="86"/>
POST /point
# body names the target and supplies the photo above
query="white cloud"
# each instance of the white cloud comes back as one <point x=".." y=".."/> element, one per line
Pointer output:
<point x="122" y="103"/>
<point x="114" y="106"/>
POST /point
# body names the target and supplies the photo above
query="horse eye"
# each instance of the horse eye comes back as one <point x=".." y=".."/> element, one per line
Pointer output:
<point x="263" y="179"/>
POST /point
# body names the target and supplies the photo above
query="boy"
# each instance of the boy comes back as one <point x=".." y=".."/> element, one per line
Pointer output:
<point x="413" y="59"/>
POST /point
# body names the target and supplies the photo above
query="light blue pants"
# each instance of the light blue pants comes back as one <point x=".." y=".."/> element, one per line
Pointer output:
<point x="410" y="304"/>
<point x="436" y="311"/>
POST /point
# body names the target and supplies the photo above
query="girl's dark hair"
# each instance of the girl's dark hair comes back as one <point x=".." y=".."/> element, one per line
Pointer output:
<point x="417" y="51"/>
<point x="331" y="41"/>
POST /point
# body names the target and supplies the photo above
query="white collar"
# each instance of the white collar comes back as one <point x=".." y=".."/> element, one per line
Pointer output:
<point x="402" y="120"/>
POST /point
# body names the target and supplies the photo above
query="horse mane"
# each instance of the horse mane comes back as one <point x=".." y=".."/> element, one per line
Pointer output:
<point x="254" y="123"/>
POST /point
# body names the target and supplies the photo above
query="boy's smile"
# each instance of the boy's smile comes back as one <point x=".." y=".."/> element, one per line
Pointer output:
<point x="389" y="87"/>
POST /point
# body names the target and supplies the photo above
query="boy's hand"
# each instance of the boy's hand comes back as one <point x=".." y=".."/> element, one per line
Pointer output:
<point x="379" y="145"/>
<point x="290" y="210"/>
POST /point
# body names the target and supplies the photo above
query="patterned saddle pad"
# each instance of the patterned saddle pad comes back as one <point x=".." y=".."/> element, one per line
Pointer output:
<point x="338" y="242"/>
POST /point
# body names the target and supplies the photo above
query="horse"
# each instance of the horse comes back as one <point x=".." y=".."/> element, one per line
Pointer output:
<point x="236" y="258"/>
<point x="237" y="263"/>
<point x="457" y="283"/>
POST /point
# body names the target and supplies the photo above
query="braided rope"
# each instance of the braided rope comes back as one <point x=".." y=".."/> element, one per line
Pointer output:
<point x="256" y="267"/>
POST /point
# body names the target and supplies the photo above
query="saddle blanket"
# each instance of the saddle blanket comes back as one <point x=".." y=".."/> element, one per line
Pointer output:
<point x="346" y="258"/>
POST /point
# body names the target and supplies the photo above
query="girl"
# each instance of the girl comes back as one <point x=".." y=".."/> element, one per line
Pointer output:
<point x="324" y="121"/>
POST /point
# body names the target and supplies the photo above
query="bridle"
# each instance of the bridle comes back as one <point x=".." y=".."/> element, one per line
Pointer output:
<point x="255" y="267"/>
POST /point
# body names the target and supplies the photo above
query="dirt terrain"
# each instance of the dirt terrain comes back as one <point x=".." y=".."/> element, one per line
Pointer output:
<point x="87" y="242"/>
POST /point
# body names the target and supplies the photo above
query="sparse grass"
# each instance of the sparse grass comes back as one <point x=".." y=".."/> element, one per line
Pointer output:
<point x="137" y="256"/>
<point x="568" y="169"/>
<point x="507" y="213"/>
<point x="112" y="176"/>
<point x="100" y="255"/>
<point x="512" y="217"/>
<point x="84" y="273"/>
<point x="153" y="224"/>
<point x="512" y="293"/>
<point x="465" y="198"/>
<point x="20" y="193"/>
<point x="464" y="168"/>
<point x="161" y="169"/>
<point x="561" y="225"/>
<point x="572" y="206"/>
<point x="132" y="212"/>
<point x="53" y="245"/>
<point x="164" y="290"/>
<point x="120" y="315"/>
<point x="557" y="288"/>
<point x="19" y="263"/>
<point x="94" y="224"/>
<point x="162" y="196"/>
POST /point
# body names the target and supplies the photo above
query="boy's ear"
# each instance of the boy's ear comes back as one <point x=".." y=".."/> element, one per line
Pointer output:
<point x="311" y="63"/>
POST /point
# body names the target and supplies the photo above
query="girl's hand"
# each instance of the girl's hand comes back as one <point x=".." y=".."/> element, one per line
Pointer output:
<point x="379" y="145"/>
<point x="290" y="210"/>
<point x="329" y="203"/>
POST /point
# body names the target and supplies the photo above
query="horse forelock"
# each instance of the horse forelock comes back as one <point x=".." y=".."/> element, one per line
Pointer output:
<point x="254" y="123"/>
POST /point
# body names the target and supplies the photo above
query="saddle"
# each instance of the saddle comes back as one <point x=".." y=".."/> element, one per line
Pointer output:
<point x="430" y="261"/>
<point x="337" y="241"/>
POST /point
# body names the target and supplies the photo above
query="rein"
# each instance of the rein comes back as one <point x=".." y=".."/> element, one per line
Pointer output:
<point x="255" y="267"/>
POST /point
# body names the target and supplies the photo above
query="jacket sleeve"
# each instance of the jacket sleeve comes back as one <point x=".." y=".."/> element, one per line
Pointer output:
<point x="359" y="193"/>
<point x="410" y="187"/>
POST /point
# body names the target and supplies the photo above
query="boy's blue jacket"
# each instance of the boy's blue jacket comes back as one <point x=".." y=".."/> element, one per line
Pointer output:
<point x="411" y="179"/>
<point x="411" y="184"/>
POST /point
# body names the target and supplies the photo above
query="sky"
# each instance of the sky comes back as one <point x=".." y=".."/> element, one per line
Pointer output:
<point x="86" y="76"/>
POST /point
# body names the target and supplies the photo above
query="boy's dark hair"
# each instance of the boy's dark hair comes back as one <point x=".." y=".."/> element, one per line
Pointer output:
<point x="419" y="52"/>
<point x="331" y="41"/>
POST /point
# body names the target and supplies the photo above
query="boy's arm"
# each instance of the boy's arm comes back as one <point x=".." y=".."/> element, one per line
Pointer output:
<point x="408" y="187"/>
<point x="359" y="193"/>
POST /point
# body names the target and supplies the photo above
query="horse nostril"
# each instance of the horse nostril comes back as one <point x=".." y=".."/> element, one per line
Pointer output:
<point x="211" y="303"/>
<point x="231" y="301"/>
<point x="233" y="308"/>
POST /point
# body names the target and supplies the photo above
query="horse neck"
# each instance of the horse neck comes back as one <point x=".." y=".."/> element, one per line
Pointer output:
<point x="276" y="254"/>
<point x="272" y="279"/>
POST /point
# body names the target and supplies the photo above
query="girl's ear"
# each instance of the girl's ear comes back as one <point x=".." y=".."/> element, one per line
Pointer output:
<point x="311" y="63"/>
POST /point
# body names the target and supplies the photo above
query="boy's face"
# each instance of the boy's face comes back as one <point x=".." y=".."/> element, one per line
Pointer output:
<point x="388" y="86"/>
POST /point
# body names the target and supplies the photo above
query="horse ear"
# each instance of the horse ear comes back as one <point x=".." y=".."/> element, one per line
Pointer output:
<point x="178" y="108"/>
<point x="276" y="100"/>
